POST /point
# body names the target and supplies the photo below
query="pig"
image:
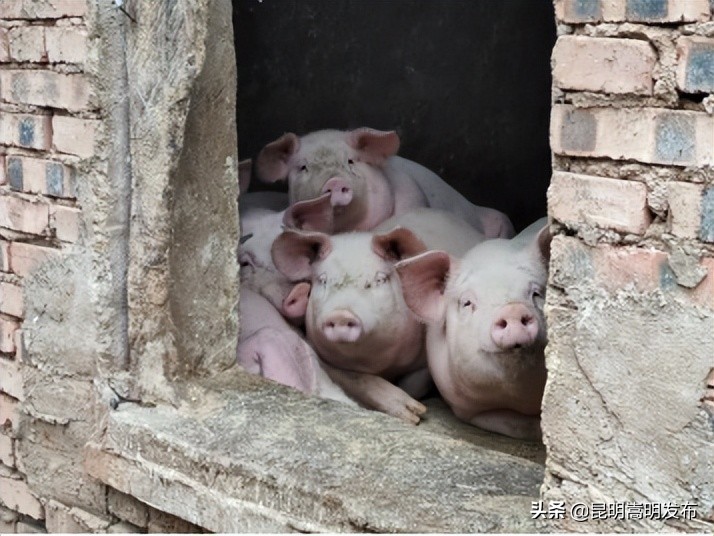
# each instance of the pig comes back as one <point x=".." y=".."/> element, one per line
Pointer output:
<point x="356" y="318"/>
<point x="366" y="181"/>
<point x="270" y="347"/>
<point x="486" y="331"/>
<point x="259" y="228"/>
<point x="437" y="229"/>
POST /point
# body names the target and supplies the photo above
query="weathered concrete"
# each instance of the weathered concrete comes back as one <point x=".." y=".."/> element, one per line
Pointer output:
<point x="623" y="415"/>
<point x="182" y="276"/>
<point x="260" y="457"/>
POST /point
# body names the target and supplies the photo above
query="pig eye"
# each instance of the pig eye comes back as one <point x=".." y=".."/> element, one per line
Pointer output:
<point x="467" y="302"/>
<point x="380" y="278"/>
<point x="537" y="295"/>
<point x="536" y="291"/>
<point x="322" y="279"/>
<point x="303" y="167"/>
<point x="245" y="260"/>
<point x="350" y="161"/>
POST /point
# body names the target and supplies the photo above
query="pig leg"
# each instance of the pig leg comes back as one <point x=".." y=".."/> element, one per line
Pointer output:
<point x="374" y="392"/>
<point x="281" y="356"/>
<point x="509" y="423"/>
<point x="416" y="384"/>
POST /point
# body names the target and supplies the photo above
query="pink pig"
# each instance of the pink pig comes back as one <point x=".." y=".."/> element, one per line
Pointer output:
<point x="271" y="348"/>
<point x="263" y="215"/>
<point x="486" y="330"/>
<point x="366" y="181"/>
<point x="356" y="317"/>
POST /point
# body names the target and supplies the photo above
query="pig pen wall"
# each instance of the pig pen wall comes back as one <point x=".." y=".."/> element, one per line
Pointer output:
<point x="117" y="289"/>
<point x="466" y="84"/>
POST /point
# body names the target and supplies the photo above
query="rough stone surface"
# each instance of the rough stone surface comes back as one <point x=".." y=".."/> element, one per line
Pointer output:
<point x="626" y="452"/>
<point x="265" y="458"/>
<point x="182" y="279"/>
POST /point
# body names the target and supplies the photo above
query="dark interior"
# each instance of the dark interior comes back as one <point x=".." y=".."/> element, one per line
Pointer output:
<point x="465" y="83"/>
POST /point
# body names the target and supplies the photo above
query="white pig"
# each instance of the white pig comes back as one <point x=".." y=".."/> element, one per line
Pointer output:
<point x="356" y="317"/>
<point x="366" y="181"/>
<point x="486" y="331"/>
<point x="271" y="348"/>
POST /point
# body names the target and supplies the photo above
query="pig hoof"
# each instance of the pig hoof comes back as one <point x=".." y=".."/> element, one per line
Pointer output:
<point x="410" y="411"/>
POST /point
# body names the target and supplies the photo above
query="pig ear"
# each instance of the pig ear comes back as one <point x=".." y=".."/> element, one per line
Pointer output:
<point x="374" y="145"/>
<point x="294" y="252"/>
<point x="245" y="167"/>
<point x="397" y="244"/>
<point x="295" y="304"/>
<point x="541" y="243"/>
<point x="272" y="162"/>
<point x="311" y="215"/>
<point x="424" y="282"/>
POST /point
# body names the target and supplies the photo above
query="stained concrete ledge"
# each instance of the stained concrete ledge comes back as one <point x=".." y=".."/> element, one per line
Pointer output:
<point x="259" y="457"/>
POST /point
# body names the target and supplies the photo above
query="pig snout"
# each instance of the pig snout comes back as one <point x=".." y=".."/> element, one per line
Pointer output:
<point x="342" y="326"/>
<point x="515" y="327"/>
<point x="340" y="192"/>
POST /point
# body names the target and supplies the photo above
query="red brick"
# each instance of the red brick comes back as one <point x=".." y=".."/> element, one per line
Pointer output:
<point x="42" y="176"/>
<point x="9" y="415"/>
<point x="4" y="45"/>
<point x="45" y="88"/>
<point x="650" y="135"/>
<point x="65" y="221"/>
<point x="26" y="130"/>
<point x="74" y="136"/>
<point x="27" y="43"/>
<point x="694" y="57"/>
<point x="582" y="11"/>
<point x="47" y="9"/>
<point x="4" y="256"/>
<point x="609" y="203"/>
<point x="16" y="495"/>
<point x="66" y="44"/>
<point x="24" y="258"/>
<point x="8" y="327"/>
<point x="22" y="215"/>
<point x="685" y="208"/>
<point x="11" y="300"/>
<point x="606" y="65"/>
<point x="11" y="378"/>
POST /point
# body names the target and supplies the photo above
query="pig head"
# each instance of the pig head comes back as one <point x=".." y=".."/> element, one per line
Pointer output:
<point x="349" y="166"/>
<point x="486" y="330"/>
<point x="356" y="317"/>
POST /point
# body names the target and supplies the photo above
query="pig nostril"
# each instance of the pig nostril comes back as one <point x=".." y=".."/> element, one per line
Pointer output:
<point x="330" y="324"/>
<point x="527" y="320"/>
<point x="345" y="190"/>
<point x="501" y="324"/>
<point x="350" y="324"/>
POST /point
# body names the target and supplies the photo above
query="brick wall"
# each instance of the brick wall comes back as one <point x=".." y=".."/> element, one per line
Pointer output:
<point x="43" y="94"/>
<point x="52" y="114"/>
<point x="631" y="295"/>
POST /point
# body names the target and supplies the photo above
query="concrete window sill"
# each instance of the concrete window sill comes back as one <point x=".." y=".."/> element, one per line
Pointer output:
<point x="258" y="457"/>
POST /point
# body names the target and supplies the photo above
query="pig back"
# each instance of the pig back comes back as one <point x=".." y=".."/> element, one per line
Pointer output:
<point x="438" y="229"/>
<point x="441" y="195"/>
